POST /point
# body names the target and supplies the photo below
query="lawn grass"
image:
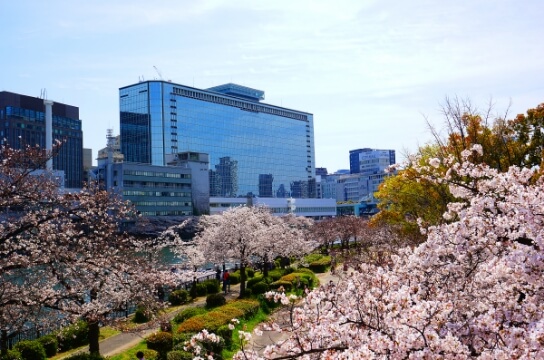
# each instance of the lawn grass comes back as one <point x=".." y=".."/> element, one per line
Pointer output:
<point x="130" y="354"/>
<point x="248" y="326"/>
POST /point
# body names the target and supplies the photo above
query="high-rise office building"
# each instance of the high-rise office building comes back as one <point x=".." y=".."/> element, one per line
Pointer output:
<point x="244" y="137"/>
<point x="23" y="123"/>
<point x="370" y="161"/>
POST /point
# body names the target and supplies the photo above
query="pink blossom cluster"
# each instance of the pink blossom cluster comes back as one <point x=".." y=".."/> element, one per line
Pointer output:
<point x="473" y="289"/>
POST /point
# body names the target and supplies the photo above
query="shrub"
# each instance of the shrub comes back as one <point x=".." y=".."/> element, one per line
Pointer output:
<point x="50" y="344"/>
<point x="179" y="355"/>
<point x="85" y="356"/>
<point x="31" y="350"/>
<point x="188" y="313"/>
<point x="289" y="270"/>
<point x="304" y="271"/>
<point x="212" y="286"/>
<point x="215" y="300"/>
<point x="151" y="354"/>
<point x="321" y="265"/>
<point x="178" y="297"/>
<point x="234" y="278"/>
<point x="310" y="258"/>
<point x="254" y="281"/>
<point x="277" y="284"/>
<point x="12" y="355"/>
<point x="275" y="274"/>
<point x="250" y="273"/>
<point x="162" y="342"/>
<point x="201" y="289"/>
<point x="180" y="340"/>
<point x="248" y="307"/>
<point x="247" y="293"/>
<point x="73" y="336"/>
<point x="220" y="316"/>
<point x="260" y="288"/>
<point x="226" y="334"/>
<point x="193" y="292"/>
<point x="140" y="315"/>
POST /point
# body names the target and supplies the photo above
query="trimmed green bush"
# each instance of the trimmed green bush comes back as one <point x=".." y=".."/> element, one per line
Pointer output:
<point x="304" y="271"/>
<point x="281" y="283"/>
<point x="178" y="297"/>
<point x="275" y="274"/>
<point x="85" y="356"/>
<point x="250" y="273"/>
<point x="253" y="281"/>
<point x="179" y="355"/>
<point x="310" y="258"/>
<point x="50" y="344"/>
<point x="226" y="334"/>
<point x="151" y="354"/>
<point x="162" y="342"/>
<point x="220" y="316"/>
<point x="201" y="289"/>
<point x="321" y="265"/>
<point x="215" y="300"/>
<point x="140" y="315"/>
<point x="12" y="355"/>
<point x="73" y="336"/>
<point x="234" y="277"/>
<point x="188" y="313"/>
<point x="260" y="288"/>
<point x="212" y="286"/>
<point x="31" y="350"/>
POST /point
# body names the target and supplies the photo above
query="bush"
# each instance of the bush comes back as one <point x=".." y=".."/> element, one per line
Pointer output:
<point x="275" y="274"/>
<point x="85" y="356"/>
<point x="162" y="342"/>
<point x="250" y="273"/>
<point x="226" y="334"/>
<point x="254" y="281"/>
<point x="234" y="278"/>
<point x="151" y="354"/>
<point x="179" y="355"/>
<point x="260" y="288"/>
<point x="12" y="355"/>
<point x="321" y="265"/>
<point x="50" y="344"/>
<point x="215" y="300"/>
<point x="140" y="316"/>
<point x="220" y="316"/>
<point x="212" y="286"/>
<point x="201" y="289"/>
<point x="178" y="297"/>
<point x="247" y="293"/>
<point x="188" y="313"/>
<point x="31" y="350"/>
<point x="281" y="283"/>
<point x="310" y="258"/>
<point x="73" y="336"/>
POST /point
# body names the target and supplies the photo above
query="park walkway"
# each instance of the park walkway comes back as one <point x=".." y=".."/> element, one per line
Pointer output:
<point x="121" y="342"/>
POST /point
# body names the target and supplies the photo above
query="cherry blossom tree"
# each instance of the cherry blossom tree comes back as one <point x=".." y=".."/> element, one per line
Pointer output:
<point x="63" y="256"/>
<point x="244" y="232"/>
<point x="473" y="289"/>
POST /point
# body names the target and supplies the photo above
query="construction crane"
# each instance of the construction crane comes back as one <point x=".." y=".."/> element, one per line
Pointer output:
<point x="158" y="72"/>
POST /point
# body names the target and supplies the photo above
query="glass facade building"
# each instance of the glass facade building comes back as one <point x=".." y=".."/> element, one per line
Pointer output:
<point x="23" y="123"/>
<point x="255" y="149"/>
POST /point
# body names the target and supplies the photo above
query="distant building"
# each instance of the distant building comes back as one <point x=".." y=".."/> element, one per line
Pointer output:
<point x="370" y="161"/>
<point x="254" y="148"/>
<point x="23" y="123"/>
<point x="312" y="208"/>
<point x="115" y="145"/>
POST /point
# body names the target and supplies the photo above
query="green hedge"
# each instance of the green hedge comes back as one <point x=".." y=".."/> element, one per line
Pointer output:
<point x="162" y="342"/>
<point x="73" y="336"/>
<point x="321" y="265"/>
<point x="215" y="300"/>
<point x="220" y="316"/>
<point x="260" y="288"/>
<point x="188" y="313"/>
<point x="178" y="297"/>
<point x="31" y="350"/>
<point x="50" y="344"/>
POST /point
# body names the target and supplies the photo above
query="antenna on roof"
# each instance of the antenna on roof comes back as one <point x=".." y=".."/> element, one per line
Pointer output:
<point x="158" y="72"/>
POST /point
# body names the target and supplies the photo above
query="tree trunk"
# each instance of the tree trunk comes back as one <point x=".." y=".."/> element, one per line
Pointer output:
<point x="94" y="336"/>
<point x="242" y="279"/>
<point x="265" y="266"/>
<point x="4" y="342"/>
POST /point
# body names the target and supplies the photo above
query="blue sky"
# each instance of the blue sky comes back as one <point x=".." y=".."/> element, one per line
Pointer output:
<point x="369" y="71"/>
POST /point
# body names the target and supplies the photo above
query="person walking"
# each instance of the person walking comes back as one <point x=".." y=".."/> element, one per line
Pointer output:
<point x="226" y="281"/>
